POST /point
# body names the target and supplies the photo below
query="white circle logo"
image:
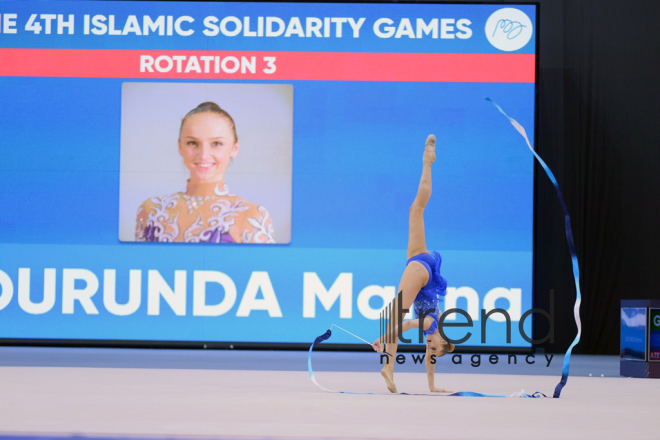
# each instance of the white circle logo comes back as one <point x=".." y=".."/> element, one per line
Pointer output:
<point x="509" y="29"/>
<point x="656" y="320"/>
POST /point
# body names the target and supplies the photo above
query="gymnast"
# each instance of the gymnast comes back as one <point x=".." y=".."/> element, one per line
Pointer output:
<point x="421" y="286"/>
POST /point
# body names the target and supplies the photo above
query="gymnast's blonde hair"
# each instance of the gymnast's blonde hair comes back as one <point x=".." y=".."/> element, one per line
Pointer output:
<point x="449" y="348"/>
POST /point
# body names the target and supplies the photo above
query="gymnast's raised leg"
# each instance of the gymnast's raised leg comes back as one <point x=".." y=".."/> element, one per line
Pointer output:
<point x="415" y="276"/>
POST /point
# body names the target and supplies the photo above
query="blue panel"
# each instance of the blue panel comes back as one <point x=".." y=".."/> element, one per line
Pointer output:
<point x="356" y="164"/>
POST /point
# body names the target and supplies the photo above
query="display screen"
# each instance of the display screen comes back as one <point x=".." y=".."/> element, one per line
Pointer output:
<point x="654" y="334"/>
<point x="311" y="120"/>
<point x="633" y="333"/>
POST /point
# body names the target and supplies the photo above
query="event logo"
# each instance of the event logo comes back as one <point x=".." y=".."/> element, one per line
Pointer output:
<point x="509" y="29"/>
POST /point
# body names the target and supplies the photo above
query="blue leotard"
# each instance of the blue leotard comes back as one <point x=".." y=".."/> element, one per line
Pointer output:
<point x="433" y="292"/>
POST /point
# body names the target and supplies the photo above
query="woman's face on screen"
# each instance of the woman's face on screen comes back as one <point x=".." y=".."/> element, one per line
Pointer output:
<point x="207" y="144"/>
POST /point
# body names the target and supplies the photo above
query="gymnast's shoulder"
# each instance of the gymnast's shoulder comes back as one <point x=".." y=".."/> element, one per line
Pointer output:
<point x="160" y="203"/>
<point x="253" y="221"/>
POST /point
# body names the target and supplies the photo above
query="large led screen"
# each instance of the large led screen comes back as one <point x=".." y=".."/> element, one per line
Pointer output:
<point x="321" y="112"/>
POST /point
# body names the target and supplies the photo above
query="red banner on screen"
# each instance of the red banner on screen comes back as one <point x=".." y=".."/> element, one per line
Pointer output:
<point x="332" y="66"/>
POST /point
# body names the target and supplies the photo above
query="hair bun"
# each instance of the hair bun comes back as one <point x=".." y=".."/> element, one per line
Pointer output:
<point x="208" y="106"/>
<point x="212" y="107"/>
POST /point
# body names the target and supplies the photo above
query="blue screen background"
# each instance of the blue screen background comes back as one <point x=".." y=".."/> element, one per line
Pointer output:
<point x="357" y="150"/>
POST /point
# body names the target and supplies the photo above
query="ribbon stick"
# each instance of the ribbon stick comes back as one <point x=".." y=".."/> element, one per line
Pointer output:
<point x="571" y="247"/>
<point x="325" y="336"/>
<point x="364" y="340"/>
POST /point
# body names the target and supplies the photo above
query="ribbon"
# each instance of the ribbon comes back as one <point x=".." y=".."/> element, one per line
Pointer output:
<point x="325" y="336"/>
<point x="571" y="247"/>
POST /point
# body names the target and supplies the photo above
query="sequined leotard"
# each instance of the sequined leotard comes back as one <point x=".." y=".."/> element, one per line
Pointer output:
<point x="433" y="292"/>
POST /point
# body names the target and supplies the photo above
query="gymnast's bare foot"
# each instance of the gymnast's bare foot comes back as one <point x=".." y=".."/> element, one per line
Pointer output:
<point x="389" y="379"/>
<point x="429" y="150"/>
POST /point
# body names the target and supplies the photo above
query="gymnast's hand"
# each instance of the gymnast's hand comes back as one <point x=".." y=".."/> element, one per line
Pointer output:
<point x="377" y="345"/>
<point x="440" y="390"/>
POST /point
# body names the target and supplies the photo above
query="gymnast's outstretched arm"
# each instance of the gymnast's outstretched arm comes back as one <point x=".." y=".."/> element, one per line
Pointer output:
<point x="430" y="360"/>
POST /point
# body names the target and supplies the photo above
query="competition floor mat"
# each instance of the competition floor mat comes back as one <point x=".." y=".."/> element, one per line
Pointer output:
<point x="158" y="394"/>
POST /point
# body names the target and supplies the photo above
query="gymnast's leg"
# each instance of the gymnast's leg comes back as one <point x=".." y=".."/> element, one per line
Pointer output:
<point x="415" y="276"/>
<point x="416" y="236"/>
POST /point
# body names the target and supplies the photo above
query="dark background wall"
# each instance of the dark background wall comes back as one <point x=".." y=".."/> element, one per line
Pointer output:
<point x="599" y="131"/>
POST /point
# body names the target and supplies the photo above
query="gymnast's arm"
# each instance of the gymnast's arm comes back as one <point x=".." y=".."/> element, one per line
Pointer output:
<point x="430" y="359"/>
